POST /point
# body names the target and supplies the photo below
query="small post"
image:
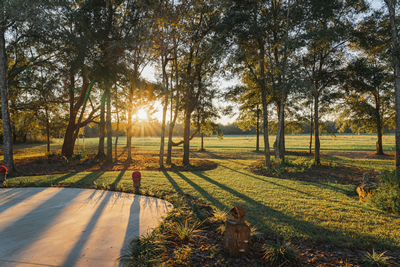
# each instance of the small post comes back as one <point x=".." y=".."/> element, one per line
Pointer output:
<point x="3" y="174"/>
<point x="136" y="177"/>
<point x="237" y="233"/>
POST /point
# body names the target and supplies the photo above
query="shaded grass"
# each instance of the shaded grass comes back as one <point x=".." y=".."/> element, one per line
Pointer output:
<point x="292" y="209"/>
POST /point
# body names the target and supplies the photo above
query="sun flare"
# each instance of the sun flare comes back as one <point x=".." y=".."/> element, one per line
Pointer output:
<point x="142" y="115"/>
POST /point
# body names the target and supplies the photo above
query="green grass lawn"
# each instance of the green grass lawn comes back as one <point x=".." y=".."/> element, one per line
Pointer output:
<point x="322" y="212"/>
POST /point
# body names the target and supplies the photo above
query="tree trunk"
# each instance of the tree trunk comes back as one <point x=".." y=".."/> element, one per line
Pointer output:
<point x="69" y="137"/>
<point x="202" y="142"/>
<point x="379" y="149"/>
<point x="47" y="130"/>
<point x="129" y="134"/>
<point x="186" y="137"/>
<point x="7" y="134"/>
<point x="173" y="120"/>
<point x="116" y="138"/>
<point x="165" y="107"/>
<point x="282" y="139"/>
<point x="311" y="131"/>
<point x="69" y="141"/>
<point x="267" y="152"/>
<point x="258" y="130"/>
<point x="109" y="157"/>
<point x="102" y="134"/>
<point x="396" y="61"/>
<point x="316" y="131"/>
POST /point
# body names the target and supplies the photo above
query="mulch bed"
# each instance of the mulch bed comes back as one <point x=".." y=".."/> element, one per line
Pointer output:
<point x="319" y="174"/>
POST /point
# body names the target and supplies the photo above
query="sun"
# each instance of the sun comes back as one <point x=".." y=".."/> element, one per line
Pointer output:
<point x="141" y="115"/>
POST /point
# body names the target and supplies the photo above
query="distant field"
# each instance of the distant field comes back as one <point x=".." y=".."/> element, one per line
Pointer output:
<point x="229" y="144"/>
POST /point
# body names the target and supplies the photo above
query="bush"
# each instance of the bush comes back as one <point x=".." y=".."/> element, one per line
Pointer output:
<point x="387" y="196"/>
<point x="77" y="156"/>
<point x="376" y="259"/>
<point x="280" y="253"/>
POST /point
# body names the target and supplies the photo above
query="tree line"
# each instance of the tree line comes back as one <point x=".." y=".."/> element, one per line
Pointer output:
<point x="67" y="64"/>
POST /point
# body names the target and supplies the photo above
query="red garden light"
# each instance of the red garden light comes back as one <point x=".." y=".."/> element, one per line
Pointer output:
<point x="136" y="177"/>
<point x="3" y="173"/>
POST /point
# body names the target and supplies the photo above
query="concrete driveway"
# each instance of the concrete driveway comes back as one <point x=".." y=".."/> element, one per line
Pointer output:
<point x="72" y="227"/>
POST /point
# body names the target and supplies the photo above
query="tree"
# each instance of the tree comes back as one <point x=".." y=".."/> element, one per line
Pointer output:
<point x="14" y="14"/>
<point x="368" y="101"/>
<point x="391" y="5"/>
<point x="327" y="33"/>
<point x="201" y="54"/>
<point x="137" y="56"/>
<point x="262" y="35"/>
<point x="75" y="34"/>
<point x="250" y="111"/>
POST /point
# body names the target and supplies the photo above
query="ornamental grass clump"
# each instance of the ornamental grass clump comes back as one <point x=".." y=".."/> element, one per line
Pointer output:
<point x="185" y="231"/>
<point x="280" y="253"/>
<point x="387" y="196"/>
<point x="376" y="259"/>
<point x="146" y="250"/>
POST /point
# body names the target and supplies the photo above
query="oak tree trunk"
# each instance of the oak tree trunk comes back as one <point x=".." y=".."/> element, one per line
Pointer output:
<point x="258" y="130"/>
<point x="7" y="133"/>
<point x="316" y="132"/>
<point x="102" y="128"/>
<point x="109" y="157"/>
<point x="396" y="62"/>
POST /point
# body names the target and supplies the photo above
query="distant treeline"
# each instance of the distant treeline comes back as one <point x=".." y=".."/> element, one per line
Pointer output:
<point x="154" y="129"/>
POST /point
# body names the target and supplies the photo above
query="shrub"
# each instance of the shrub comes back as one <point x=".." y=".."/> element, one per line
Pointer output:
<point x="279" y="253"/>
<point x="77" y="156"/>
<point x="219" y="216"/>
<point x="387" y="196"/>
<point x="376" y="259"/>
<point x="146" y="250"/>
<point x="185" y="231"/>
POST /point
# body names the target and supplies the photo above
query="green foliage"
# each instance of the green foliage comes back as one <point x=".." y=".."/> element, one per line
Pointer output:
<point x="185" y="231"/>
<point x="280" y="253"/>
<point x="146" y="251"/>
<point x="77" y="156"/>
<point x="387" y="196"/>
<point x="376" y="259"/>
<point x="219" y="216"/>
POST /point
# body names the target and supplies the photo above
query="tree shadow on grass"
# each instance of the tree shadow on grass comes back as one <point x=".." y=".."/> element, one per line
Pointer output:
<point x="203" y="192"/>
<point x="323" y="186"/>
<point x="118" y="179"/>
<point x="317" y="233"/>
<point x="60" y="179"/>
<point x="89" y="179"/>
<point x="173" y="183"/>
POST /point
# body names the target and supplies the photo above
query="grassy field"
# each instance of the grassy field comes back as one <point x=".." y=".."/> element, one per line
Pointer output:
<point x="229" y="144"/>
<point x="321" y="212"/>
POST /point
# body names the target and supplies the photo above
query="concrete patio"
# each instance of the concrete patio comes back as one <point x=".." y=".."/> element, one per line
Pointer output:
<point x="72" y="227"/>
